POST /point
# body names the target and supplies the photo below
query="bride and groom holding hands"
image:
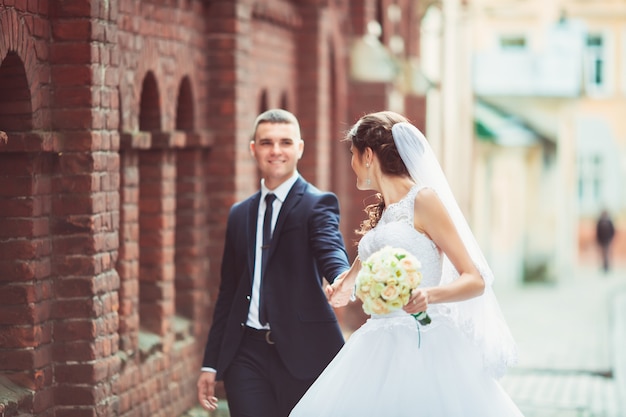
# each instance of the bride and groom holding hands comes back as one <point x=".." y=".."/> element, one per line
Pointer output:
<point x="275" y="341"/>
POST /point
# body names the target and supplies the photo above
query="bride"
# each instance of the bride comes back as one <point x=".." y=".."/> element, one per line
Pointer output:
<point x="394" y="365"/>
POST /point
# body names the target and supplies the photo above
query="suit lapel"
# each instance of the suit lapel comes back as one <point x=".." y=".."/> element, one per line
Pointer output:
<point x="292" y="200"/>
<point x="253" y="211"/>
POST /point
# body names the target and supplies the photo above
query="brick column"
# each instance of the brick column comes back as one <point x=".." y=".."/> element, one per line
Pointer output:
<point x="26" y="284"/>
<point x="192" y="261"/>
<point x="85" y="206"/>
<point x="128" y="259"/>
<point x="157" y="222"/>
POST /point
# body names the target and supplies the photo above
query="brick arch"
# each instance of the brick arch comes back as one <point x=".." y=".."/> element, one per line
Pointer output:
<point x="266" y="100"/>
<point x="342" y="177"/>
<point x="169" y="89"/>
<point x="151" y="61"/>
<point x="337" y="50"/>
<point x="263" y="101"/>
<point x="284" y="101"/>
<point x="15" y="100"/>
<point x="20" y="41"/>
<point x="185" y="106"/>
<point x="340" y="181"/>
<point x="147" y="62"/>
<point x="24" y="45"/>
<point x="150" y="105"/>
<point x="186" y="69"/>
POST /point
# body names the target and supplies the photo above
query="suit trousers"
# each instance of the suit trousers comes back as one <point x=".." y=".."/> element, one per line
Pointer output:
<point x="258" y="384"/>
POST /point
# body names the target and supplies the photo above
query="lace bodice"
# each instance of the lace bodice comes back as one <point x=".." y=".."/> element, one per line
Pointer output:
<point x="396" y="229"/>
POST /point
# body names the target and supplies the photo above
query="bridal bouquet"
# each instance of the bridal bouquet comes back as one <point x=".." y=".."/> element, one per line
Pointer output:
<point x="386" y="279"/>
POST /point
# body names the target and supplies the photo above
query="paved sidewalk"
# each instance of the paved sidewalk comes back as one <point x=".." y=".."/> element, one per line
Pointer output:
<point x="570" y="337"/>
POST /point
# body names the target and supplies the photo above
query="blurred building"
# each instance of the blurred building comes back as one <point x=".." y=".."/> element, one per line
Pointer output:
<point x="550" y="98"/>
<point x="124" y="131"/>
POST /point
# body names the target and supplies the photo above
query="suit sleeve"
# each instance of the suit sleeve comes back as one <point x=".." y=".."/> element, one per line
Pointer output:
<point x="227" y="289"/>
<point x="326" y="240"/>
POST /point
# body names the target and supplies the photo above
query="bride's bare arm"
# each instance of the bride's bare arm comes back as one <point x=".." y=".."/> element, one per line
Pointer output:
<point x="437" y="224"/>
<point x="341" y="291"/>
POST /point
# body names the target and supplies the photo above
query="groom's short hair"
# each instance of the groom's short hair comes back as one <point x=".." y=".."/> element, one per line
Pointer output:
<point x="276" y="116"/>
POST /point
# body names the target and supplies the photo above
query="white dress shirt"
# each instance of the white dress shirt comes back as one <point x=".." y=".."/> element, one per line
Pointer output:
<point x="281" y="194"/>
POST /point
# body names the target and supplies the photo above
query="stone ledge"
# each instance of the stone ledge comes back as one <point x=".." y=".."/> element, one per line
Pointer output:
<point x="13" y="397"/>
<point x="40" y="141"/>
<point x="165" y="140"/>
<point x="33" y="141"/>
<point x="149" y="344"/>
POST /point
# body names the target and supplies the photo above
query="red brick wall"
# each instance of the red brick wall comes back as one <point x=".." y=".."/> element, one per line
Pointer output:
<point x="127" y="129"/>
<point x="164" y="259"/>
<point x="70" y="329"/>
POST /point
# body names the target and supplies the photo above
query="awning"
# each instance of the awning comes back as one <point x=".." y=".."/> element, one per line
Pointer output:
<point x="502" y="128"/>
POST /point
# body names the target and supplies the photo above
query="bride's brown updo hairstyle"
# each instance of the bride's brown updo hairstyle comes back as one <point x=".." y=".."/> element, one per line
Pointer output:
<point x="374" y="131"/>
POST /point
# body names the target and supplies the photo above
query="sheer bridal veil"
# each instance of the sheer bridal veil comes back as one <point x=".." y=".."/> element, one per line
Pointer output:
<point x="479" y="318"/>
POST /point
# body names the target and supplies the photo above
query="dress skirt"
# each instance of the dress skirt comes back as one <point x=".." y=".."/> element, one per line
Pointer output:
<point x="392" y="367"/>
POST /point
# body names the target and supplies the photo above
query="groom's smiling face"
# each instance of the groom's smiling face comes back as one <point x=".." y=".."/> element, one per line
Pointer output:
<point x="277" y="147"/>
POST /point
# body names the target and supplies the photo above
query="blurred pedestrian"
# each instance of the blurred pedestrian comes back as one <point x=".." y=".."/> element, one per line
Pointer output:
<point x="605" y="232"/>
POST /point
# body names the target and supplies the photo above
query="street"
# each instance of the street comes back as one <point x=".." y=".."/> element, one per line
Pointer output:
<point x="569" y="336"/>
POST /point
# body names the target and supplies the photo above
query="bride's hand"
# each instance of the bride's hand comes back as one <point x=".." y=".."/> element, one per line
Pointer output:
<point x="340" y="292"/>
<point x="417" y="303"/>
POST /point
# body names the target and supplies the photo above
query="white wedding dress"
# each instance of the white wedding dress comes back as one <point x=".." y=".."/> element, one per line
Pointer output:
<point x="394" y="367"/>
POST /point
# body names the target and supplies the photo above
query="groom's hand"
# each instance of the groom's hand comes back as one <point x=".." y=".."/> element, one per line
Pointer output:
<point x="206" y="391"/>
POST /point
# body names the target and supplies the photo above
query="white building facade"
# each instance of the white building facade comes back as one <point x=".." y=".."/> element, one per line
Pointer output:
<point x="549" y="81"/>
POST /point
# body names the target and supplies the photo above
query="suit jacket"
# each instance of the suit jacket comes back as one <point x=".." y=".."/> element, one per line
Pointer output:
<point x="306" y="246"/>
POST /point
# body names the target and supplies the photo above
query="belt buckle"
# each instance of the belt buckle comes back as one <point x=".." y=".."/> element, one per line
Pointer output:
<point x="268" y="339"/>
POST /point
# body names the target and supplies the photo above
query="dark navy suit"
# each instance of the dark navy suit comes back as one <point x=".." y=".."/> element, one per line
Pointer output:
<point x="305" y="247"/>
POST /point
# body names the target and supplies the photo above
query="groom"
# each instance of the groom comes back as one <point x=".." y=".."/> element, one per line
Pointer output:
<point x="273" y="329"/>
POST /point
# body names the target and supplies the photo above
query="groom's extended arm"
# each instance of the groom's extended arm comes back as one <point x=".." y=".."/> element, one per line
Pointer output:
<point x="325" y="238"/>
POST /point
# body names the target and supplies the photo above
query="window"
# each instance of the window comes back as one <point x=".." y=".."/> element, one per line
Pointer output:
<point x="590" y="180"/>
<point x="596" y="70"/>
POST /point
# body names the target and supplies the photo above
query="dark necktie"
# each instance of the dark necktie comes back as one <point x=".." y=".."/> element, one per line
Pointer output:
<point x="267" y="238"/>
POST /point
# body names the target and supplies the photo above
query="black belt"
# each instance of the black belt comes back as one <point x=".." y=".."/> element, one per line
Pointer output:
<point x="260" y="334"/>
